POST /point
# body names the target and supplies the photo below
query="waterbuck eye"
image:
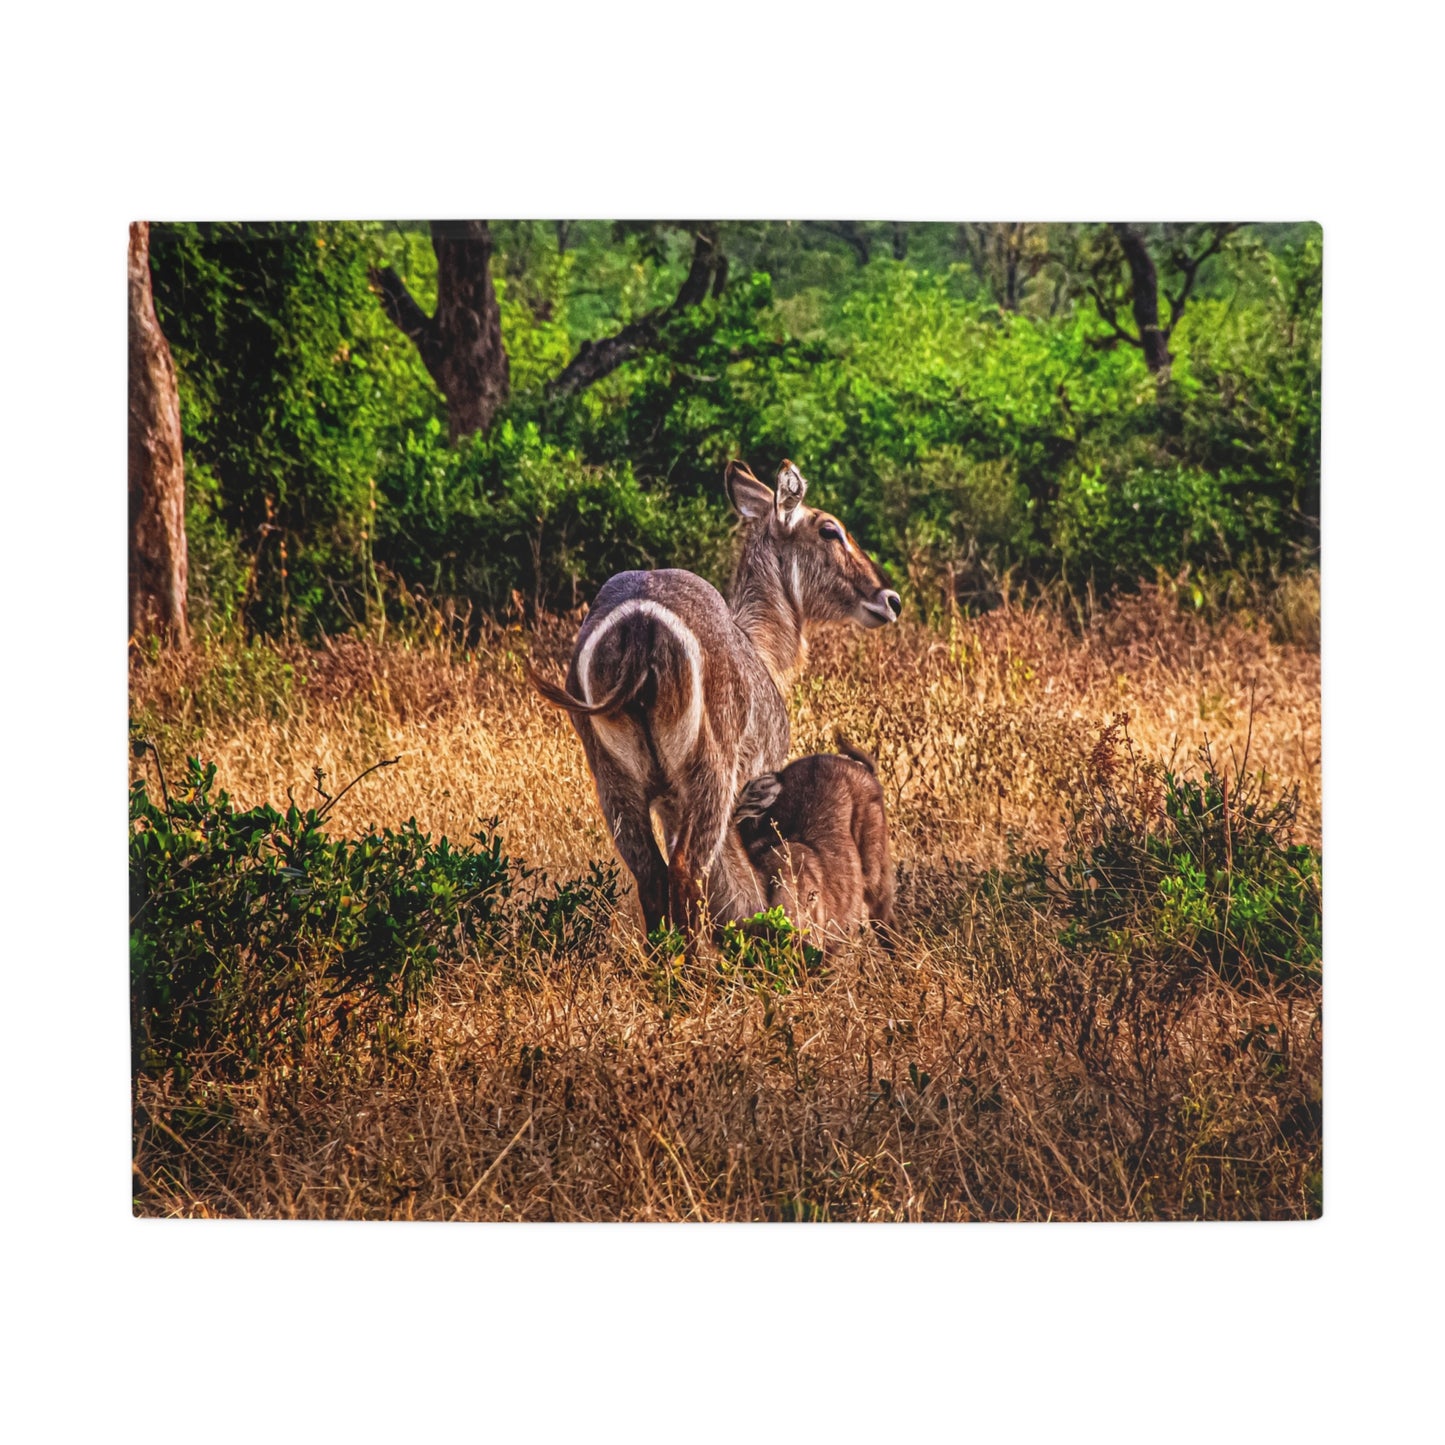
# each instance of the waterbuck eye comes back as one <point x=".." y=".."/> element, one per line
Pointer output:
<point x="832" y="531"/>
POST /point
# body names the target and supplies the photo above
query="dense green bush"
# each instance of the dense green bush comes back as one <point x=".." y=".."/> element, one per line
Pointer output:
<point x="769" y="951"/>
<point x="510" y="511"/>
<point x="572" y="918"/>
<point x="961" y="525"/>
<point x="1146" y="521"/>
<point x="1250" y="387"/>
<point x="296" y="395"/>
<point x="255" y="935"/>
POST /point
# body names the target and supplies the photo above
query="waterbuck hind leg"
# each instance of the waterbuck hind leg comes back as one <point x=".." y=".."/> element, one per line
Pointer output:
<point x="699" y="843"/>
<point x="630" y="822"/>
<point x="652" y="892"/>
<point x="684" y="895"/>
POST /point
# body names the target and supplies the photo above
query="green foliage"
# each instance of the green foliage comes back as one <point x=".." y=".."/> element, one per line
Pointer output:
<point x="295" y="393"/>
<point x="1146" y="521"/>
<point x="919" y="368"/>
<point x="573" y="919"/>
<point x="961" y="524"/>
<point x="667" y="965"/>
<point x="708" y="393"/>
<point x="510" y="511"/>
<point x="769" y="951"/>
<point x="976" y="448"/>
<point x="1186" y="874"/>
<point x="220" y="573"/>
<point x="254" y="934"/>
<point x="1251" y="396"/>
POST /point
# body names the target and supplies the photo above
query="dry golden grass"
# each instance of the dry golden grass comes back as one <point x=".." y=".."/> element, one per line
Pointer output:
<point x="978" y="1071"/>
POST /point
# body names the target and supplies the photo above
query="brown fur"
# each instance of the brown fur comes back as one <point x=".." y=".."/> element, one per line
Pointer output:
<point x="683" y="694"/>
<point x="817" y="838"/>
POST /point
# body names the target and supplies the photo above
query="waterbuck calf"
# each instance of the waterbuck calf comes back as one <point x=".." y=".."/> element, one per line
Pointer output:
<point x="817" y="838"/>
<point x="678" y="696"/>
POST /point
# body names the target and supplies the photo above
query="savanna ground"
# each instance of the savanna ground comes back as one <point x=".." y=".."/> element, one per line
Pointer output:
<point x="1003" y="1061"/>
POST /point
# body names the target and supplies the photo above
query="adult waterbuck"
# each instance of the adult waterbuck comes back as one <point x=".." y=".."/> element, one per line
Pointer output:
<point x="817" y="837"/>
<point x="678" y="696"/>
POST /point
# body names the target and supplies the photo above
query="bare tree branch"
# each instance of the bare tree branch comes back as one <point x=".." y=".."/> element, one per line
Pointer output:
<point x="1108" y="313"/>
<point x="595" y="359"/>
<point x="1189" y="266"/>
<point x="401" y="306"/>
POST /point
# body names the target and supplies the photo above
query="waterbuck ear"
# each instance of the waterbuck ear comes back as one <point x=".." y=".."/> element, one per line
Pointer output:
<point x="757" y="797"/>
<point x="791" y="488"/>
<point x="751" y="497"/>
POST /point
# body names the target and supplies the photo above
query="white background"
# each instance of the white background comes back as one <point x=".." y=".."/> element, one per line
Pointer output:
<point x="121" y="1329"/>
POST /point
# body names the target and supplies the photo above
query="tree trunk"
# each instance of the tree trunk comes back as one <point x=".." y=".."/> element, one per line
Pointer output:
<point x="1144" y="280"/>
<point x="461" y="345"/>
<point x="1013" y="245"/>
<point x="157" y="478"/>
<point x="472" y="372"/>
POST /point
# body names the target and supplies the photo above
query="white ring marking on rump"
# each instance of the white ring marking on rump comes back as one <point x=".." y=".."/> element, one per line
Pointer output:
<point x="619" y="737"/>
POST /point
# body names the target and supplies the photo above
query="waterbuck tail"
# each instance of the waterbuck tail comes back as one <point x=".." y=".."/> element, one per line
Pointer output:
<point x="851" y="750"/>
<point x="627" y="689"/>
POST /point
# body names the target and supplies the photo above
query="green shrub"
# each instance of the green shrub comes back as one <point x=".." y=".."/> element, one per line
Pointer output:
<point x="254" y="934"/>
<point x="959" y="524"/>
<point x="1250" y="396"/>
<point x="1186" y="874"/>
<point x="219" y="572"/>
<point x="510" y="512"/>
<point x="574" y="917"/>
<point x="767" y="950"/>
<point x="915" y="369"/>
